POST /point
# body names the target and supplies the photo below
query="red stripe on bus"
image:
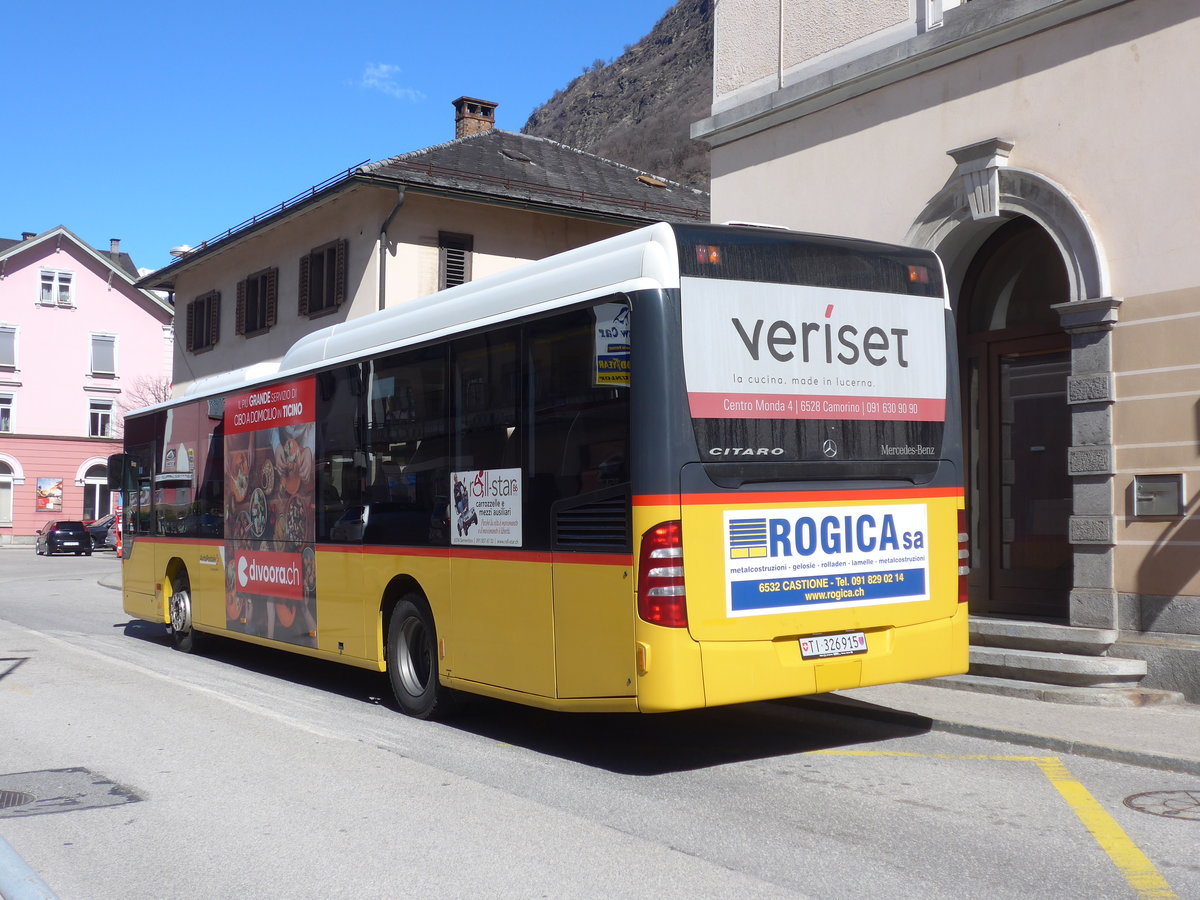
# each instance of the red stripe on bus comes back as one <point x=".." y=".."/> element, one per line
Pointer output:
<point x="161" y="539"/>
<point x="447" y="552"/>
<point x="593" y="559"/>
<point x="427" y="552"/>
<point x="541" y="556"/>
<point x="559" y="557"/>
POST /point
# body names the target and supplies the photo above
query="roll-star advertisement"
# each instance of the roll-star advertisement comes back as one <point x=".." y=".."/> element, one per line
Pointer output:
<point x="487" y="507"/>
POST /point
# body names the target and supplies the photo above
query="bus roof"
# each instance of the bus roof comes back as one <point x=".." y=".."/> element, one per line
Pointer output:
<point x="639" y="259"/>
<point x="646" y="258"/>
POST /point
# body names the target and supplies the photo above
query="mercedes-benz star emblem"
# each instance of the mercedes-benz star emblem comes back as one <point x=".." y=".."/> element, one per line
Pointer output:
<point x="829" y="448"/>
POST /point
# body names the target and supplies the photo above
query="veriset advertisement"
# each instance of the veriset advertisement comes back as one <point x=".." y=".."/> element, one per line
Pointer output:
<point x="778" y="351"/>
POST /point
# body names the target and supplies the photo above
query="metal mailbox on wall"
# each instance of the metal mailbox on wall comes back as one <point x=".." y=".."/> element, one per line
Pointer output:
<point x="1158" y="495"/>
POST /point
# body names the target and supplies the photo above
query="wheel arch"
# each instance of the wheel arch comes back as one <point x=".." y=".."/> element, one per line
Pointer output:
<point x="175" y="570"/>
<point x="399" y="587"/>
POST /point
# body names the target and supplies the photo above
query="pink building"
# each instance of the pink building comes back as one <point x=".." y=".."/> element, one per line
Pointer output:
<point x="79" y="346"/>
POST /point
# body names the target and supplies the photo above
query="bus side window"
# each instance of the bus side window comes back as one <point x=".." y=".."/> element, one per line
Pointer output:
<point x="596" y="455"/>
<point x="339" y="461"/>
<point x="143" y="442"/>
<point x="486" y="400"/>
<point x="408" y="478"/>
<point x="580" y="427"/>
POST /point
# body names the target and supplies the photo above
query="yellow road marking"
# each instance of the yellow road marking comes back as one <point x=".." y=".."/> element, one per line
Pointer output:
<point x="1139" y="872"/>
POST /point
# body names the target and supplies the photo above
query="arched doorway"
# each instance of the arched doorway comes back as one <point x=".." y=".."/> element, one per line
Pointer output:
<point x="1016" y="362"/>
<point x="6" y="493"/>
<point x="97" y="501"/>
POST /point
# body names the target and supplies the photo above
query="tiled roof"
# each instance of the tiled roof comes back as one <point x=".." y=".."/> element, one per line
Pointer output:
<point x="500" y="167"/>
<point x="508" y="167"/>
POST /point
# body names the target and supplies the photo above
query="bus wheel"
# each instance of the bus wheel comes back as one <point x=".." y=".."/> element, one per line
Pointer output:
<point x="412" y="661"/>
<point x="180" y="609"/>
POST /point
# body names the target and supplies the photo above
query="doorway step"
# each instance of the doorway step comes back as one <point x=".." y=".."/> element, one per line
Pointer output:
<point x="1055" y="663"/>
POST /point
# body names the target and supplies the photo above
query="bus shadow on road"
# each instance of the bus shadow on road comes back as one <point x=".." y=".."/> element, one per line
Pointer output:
<point x="631" y="744"/>
<point x="622" y="743"/>
<point x="323" y="675"/>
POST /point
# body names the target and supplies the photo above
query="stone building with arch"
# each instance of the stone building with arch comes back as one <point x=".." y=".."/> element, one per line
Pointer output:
<point x="1039" y="147"/>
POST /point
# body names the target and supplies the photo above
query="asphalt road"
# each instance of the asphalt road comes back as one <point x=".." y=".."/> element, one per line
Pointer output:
<point x="254" y="773"/>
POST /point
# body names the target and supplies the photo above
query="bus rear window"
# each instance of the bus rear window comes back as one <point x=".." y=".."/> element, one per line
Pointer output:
<point x="784" y="372"/>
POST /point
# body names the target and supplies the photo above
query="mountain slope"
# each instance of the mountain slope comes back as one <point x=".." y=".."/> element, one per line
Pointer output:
<point x="638" y="109"/>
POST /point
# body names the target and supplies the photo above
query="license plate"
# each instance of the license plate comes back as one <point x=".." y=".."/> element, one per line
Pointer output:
<point x="849" y="644"/>
<point x="70" y="543"/>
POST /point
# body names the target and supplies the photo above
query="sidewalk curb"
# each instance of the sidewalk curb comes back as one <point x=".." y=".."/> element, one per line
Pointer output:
<point x="1144" y="759"/>
<point x="17" y="880"/>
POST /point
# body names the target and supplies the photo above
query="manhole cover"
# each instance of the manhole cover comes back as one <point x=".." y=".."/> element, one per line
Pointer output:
<point x="58" y="790"/>
<point x="9" y="799"/>
<point x="1171" y="804"/>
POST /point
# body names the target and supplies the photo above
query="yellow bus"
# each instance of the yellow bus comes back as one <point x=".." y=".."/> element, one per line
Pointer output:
<point x="682" y="467"/>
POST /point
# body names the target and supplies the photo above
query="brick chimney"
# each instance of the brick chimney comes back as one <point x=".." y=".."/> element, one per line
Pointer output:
<point x="26" y="235"/>
<point x="472" y="116"/>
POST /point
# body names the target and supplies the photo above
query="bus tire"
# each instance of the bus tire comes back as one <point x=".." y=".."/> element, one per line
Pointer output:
<point x="412" y="661"/>
<point x="179" y="609"/>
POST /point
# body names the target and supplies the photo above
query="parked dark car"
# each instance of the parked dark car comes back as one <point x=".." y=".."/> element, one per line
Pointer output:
<point x="100" y="529"/>
<point x="63" y="537"/>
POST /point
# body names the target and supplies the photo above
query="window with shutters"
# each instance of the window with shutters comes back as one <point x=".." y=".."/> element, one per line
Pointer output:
<point x="257" y="302"/>
<point x="454" y="259"/>
<point x="323" y="279"/>
<point x="104" y="355"/>
<point x="204" y="322"/>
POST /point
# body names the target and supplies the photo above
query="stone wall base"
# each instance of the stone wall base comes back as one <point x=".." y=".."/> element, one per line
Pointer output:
<point x="1165" y="615"/>
<point x="1173" y="661"/>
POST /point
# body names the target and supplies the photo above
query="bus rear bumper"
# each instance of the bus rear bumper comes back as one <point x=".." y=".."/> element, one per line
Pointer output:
<point x="746" y="671"/>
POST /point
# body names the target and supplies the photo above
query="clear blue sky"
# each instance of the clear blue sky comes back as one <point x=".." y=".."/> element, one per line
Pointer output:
<point x="164" y="124"/>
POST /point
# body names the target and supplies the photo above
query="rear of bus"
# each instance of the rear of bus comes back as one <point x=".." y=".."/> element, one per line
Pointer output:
<point x="797" y="471"/>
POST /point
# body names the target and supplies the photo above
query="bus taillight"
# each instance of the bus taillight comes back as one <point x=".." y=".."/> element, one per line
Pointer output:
<point x="661" y="596"/>
<point x="964" y="555"/>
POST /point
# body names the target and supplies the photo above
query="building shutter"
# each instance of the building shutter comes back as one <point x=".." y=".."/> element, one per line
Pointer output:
<point x="191" y="324"/>
<point x="305" y="265"/>
<point x="8" y="347"/>
<point x="339" y="277"/>
<point x="454" y="259"/>
<point x="272" y="299"/>
<point x="104" y="354"/>
<point x="240" y="313"/>
<point x="214" y="318"/>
